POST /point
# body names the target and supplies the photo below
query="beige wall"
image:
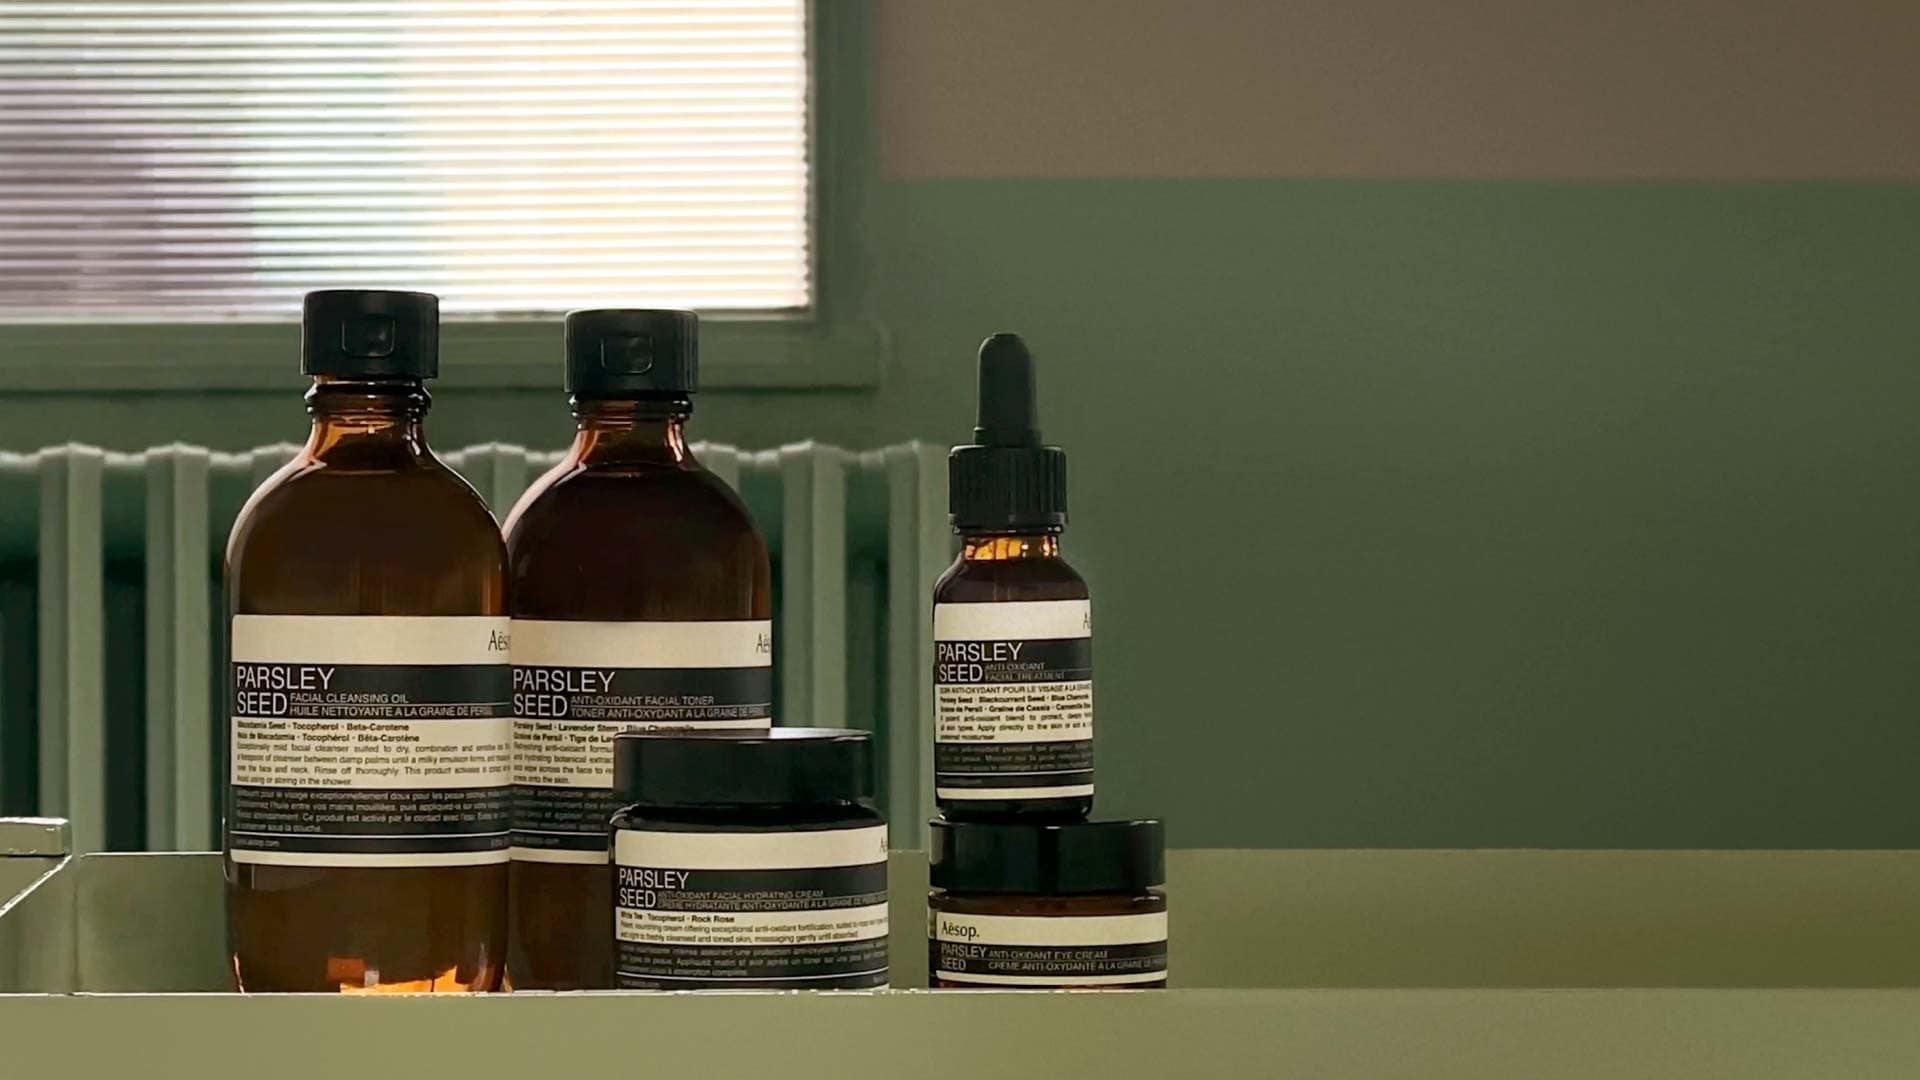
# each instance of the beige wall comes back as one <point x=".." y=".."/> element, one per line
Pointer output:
<point x="1552" y="89"/>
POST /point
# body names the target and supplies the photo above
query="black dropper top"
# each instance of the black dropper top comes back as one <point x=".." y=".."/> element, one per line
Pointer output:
<point x="632" y="352"/>
<point x="370" y="334"/>
<point x="1006" y="481"/>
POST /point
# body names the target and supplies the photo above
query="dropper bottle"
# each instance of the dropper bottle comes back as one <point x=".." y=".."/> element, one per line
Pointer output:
<point x="1012" y="626"/>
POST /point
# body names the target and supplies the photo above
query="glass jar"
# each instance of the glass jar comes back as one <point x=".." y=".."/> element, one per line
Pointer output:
<point x="748" y="861"/>
<point x="1069" y="905"/>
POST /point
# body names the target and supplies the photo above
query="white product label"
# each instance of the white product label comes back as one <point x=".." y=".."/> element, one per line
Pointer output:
<point x="578" y="684"/>
<point x="369" y="740"/>
<point x="799" y="910"/>
<point x="1013" y="700"/>
<point x="1047" y="950"/>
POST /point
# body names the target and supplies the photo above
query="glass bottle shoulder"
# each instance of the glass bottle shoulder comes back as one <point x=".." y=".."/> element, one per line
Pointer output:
<point x="999" y="581"/>
<point x="361" y="532"/>
<point x="656" y="504"/>
<point x="668" y="543"/>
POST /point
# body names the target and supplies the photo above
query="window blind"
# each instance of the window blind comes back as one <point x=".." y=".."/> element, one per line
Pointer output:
<point x="180" y="160"/>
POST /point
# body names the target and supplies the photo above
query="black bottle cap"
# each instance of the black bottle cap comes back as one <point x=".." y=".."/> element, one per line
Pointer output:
<point x="784" y="766"/>
<point x="1006" y="480"/>
<point x="370" y="334"/>
<point x="1079" y="857"/>
<point x="632" y="352"/>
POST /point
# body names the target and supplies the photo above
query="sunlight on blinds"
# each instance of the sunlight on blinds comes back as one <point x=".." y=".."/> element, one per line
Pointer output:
<point x="177" y="160"/>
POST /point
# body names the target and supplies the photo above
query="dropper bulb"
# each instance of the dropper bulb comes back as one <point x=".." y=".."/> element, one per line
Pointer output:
<point x="1006" y="480"/>
<point x="1008" y="415"/>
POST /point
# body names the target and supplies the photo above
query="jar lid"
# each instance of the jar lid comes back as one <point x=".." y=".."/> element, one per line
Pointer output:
<point x="783" y="766"/>
<point x="1051" y="860"/>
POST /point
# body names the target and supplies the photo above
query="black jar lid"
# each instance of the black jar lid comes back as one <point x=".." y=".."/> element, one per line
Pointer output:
<point x="783" y="766"/>
<point x="1082" y="857"/>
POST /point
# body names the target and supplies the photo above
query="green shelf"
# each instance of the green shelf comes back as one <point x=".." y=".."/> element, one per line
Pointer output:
<point x="1431" y="964"/>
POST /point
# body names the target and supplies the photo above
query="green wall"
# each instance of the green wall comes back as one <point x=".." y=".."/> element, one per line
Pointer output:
<point x="1451" y="514"/>
<point x="1468" y="514"/>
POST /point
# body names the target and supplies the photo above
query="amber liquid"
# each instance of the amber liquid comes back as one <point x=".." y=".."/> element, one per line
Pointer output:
<point x="366" y="521"/>
<point x="628" y="527"/>
<point x="998" y="569"/>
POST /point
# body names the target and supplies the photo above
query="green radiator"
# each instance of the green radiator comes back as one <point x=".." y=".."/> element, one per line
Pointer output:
<point x="111" y="617"/>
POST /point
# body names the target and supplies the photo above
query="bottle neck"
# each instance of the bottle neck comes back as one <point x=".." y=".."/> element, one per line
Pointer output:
<point x="1009" y="547"/>
<point x="651" y="430"/>
<point x="367" y="422"/>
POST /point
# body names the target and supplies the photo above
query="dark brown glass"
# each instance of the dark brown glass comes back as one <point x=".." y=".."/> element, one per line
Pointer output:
<point x="366" y="521"/>
<point x="994" y="568"/>
<point x="958" y="903"/>
<point x="628" y="527"/>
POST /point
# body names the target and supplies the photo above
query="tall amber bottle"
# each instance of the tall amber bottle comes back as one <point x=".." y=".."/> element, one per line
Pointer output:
<point x="367" y="802"/>
<point x="642" y="599"/>
<point x="1012" y="626"/>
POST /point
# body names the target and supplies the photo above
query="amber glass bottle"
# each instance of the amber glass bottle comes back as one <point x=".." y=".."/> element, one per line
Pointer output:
<point x="642" y="599"/>
<point x="1012" y="626"/>
<point x="368" y="719"/>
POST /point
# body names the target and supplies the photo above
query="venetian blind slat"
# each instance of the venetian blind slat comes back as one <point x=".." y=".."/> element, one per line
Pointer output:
<point x="180" y="160"/>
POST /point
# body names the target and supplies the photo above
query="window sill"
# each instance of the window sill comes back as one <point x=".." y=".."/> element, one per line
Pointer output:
<point x="740" y="352"/>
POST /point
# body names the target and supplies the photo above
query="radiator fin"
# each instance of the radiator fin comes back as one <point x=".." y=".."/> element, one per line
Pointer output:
<point x="112" y="624"/>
